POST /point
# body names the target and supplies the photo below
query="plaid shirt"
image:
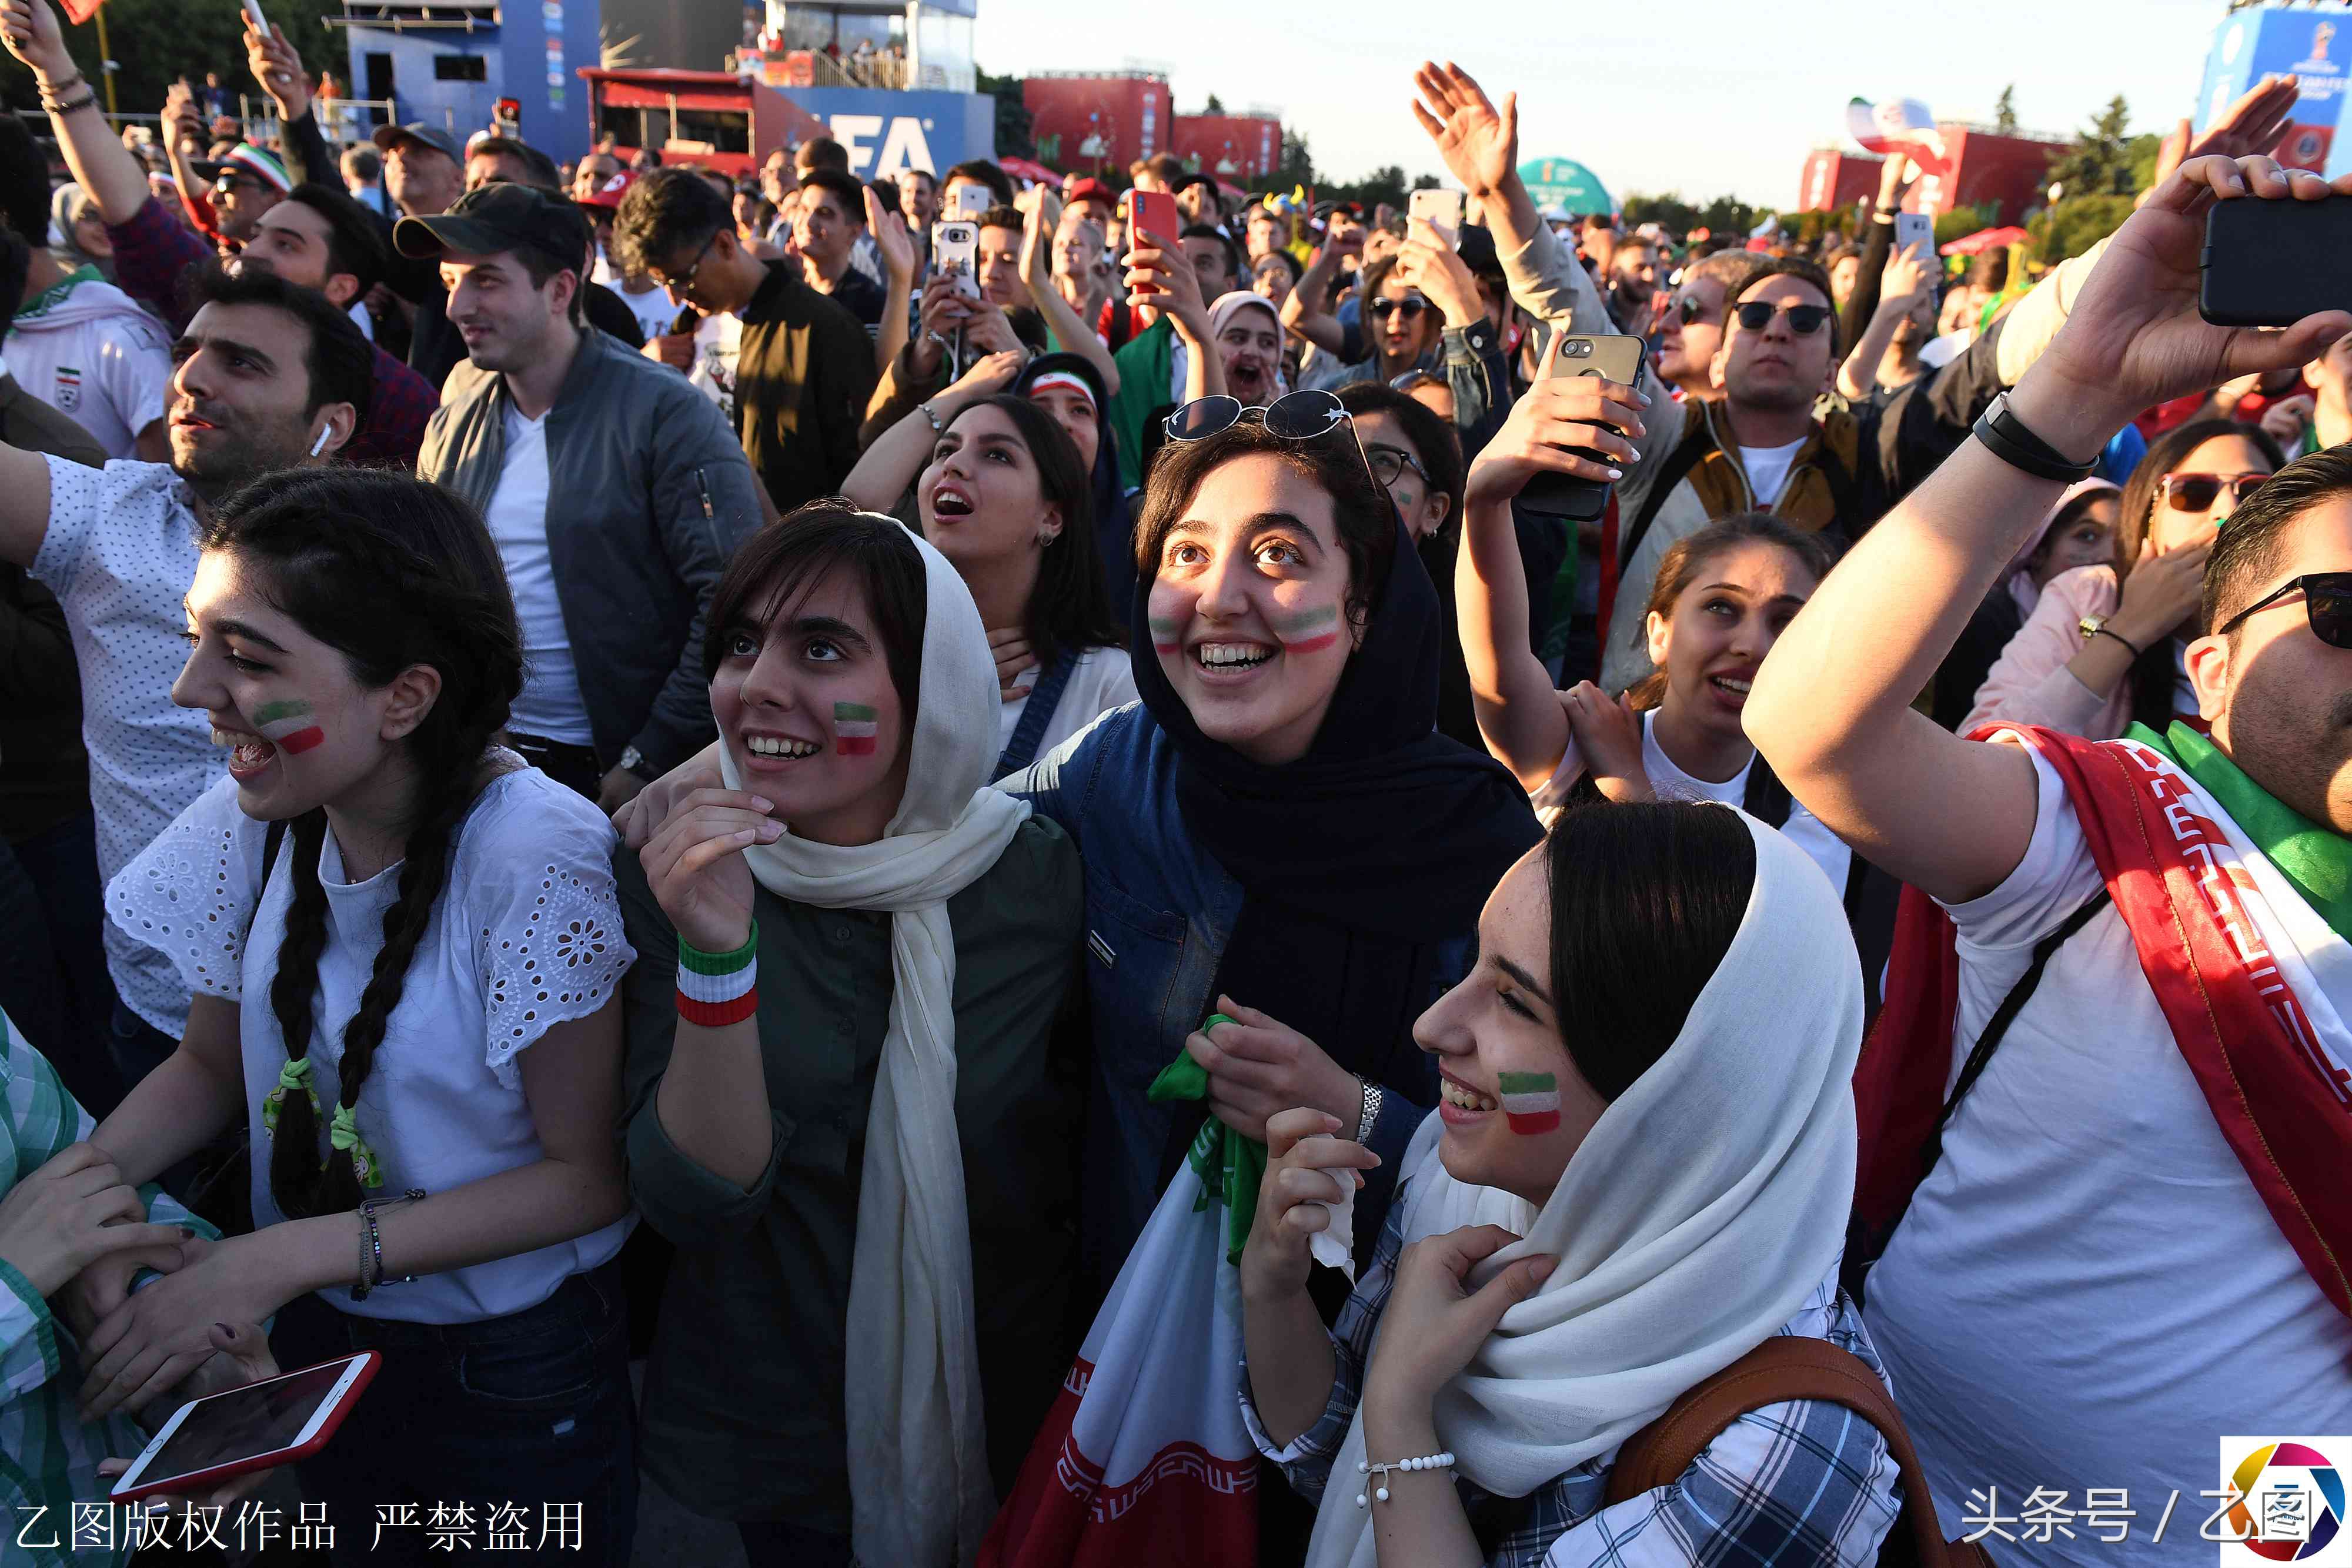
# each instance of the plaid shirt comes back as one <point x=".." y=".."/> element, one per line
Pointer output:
<point x="1803" y="1482"/>
<point x="48" y="1455"/>
<point x="154" y="252"/>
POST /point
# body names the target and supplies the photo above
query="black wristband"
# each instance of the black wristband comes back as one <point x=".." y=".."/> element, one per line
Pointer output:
<point x="2005" y="436"/>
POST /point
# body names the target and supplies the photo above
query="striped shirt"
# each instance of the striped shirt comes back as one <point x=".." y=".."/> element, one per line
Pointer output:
<point x="48" y="1455"/>
<point x="1803" y="1482"/>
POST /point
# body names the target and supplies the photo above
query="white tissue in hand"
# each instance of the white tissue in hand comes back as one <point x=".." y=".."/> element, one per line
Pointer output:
<point x="1333" y="1244"/>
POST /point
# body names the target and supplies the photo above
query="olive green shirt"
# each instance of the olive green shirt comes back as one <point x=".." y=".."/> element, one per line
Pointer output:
<point x="742" y="1414"/>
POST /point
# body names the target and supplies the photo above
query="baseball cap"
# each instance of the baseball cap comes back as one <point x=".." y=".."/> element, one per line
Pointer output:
<point x="387" y="137"/>
<point x="500" y="217"/>
<point x="1090" y="189"/>
<point x="245" y="158"/>
<point x="608" y="195"/>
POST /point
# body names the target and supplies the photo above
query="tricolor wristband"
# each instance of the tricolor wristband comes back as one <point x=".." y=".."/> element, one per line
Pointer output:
<point x="715" y="989"/>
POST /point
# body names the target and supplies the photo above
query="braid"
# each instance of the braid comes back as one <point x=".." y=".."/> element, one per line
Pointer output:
<point x="293" y="1164"/>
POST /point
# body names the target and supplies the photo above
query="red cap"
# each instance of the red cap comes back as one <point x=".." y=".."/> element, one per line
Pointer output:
<point x="1091" y="190"/>
<point x="609" y="194"/>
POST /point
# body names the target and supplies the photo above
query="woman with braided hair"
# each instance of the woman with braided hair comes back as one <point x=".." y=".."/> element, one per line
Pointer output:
<point x="409" y="910"/>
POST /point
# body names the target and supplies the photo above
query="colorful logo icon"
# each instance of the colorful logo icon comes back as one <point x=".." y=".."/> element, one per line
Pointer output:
<point x="2290" y="1502"/>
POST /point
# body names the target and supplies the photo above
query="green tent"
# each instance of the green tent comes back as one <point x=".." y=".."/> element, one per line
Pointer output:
<point x="1565" y="183"/>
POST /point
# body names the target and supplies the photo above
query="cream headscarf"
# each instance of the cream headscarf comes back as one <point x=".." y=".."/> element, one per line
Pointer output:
<point x="918" y="1481"/>
<point x="1708" y="1202"/>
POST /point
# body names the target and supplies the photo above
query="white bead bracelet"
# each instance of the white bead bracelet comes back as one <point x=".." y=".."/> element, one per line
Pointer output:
<point x="1426" y="1462"/>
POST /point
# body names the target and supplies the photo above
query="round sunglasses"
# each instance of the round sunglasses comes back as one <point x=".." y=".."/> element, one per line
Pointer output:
<point x="1303" y="415"/>
<point x="2327" y="603"/>
<point x="1411" y="305"/>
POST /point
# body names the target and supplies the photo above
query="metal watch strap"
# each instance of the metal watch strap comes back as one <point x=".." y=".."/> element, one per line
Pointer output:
<point x="1372" y="1110"/>
<point x="2005" y="435"/>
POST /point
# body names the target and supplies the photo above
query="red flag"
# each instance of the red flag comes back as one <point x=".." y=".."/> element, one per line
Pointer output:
<point x="82" y="10"/>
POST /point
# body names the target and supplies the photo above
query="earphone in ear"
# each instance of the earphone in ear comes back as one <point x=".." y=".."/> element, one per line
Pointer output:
<point x="320" y="444"/>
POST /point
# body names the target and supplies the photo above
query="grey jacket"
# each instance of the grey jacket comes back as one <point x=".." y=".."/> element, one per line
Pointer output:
<point x="649" y="496"/>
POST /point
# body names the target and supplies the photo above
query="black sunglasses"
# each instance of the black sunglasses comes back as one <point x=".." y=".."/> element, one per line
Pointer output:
<point x="1303" y="415"/>
<point x="1690" y="307"/>
<point x="2327" y="601"/>
<point x="1804" y="321"/>
<point x="1411" y="305"/>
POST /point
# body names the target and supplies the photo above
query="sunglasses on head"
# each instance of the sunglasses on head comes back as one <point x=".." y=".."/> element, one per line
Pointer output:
<point x="2196" y="491"/>
<point x="1411" y="305"/>
<point x="1303" y="415"/>
<point x="1804" y="321"/>
<point x="2326" y="602"/>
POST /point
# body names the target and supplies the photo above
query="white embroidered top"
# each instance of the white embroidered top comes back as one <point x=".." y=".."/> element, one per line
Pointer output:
<point x="527" y="935"/>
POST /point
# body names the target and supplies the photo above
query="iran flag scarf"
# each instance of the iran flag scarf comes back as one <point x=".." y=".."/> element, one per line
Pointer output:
<point x="2174" y="828"/>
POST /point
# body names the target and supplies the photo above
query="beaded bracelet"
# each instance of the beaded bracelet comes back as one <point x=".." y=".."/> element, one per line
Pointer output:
<point x="715" y="989"/>
<point x="371" y="1244"/>
<point x="1444" y="1461"/>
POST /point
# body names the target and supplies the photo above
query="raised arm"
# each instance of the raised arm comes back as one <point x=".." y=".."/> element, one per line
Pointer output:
<point x="1164" y="279"/>
<point x="898" y="248"/>
<point x="1832" y="707"/>
<point x="276" y="67"/>
<point x="1909" y="276"/>
<point x="1305" y="314"/>
<point x="900" y="453"/>
<point x="94" y="155"/>
<point x="1041" y="214"/>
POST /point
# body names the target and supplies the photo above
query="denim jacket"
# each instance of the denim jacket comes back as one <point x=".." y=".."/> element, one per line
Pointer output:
<point x="1158" y="911"/>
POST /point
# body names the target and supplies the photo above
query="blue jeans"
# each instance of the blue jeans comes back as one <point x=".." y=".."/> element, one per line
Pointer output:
<point x="516" y="1418"/>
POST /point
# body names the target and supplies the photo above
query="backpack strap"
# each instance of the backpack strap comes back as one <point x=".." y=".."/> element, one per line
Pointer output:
<point x="1686" y="456"/>
<point x="1785" y="1368"/>
<point x="1044" y="697"/>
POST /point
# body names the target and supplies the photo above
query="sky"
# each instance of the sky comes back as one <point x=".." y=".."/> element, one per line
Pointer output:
<point x="1703" y="96"/>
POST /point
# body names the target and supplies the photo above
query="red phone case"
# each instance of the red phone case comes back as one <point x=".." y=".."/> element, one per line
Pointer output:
<point x="1153" y="213"/>
<point x="197" y="1481"/>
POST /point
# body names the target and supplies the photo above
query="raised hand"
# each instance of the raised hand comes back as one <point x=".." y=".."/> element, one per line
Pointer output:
<point x="277" y="67"/>
<point x="890" y="237"/>
<point x="1429" y="265"/>
<point x="1479" y="143"/>
<point x="30" y="30"/>
<point x="694" y="863"/>
<point x="1559" y="413"/>
<point x="1310" y="1162"/>
<point x="1259" y="1067"/>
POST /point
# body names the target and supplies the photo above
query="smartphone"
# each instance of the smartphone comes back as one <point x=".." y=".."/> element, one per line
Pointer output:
<point x="1615" y="356"/>
<point x="955" y="250"/>
<point x="1441" y="210"/>
<point x="1915" y="228"/>
<point x="253" y="13"/>
<point x="1153" y="213"/>
<point x="257" y="1427"/>
<point x="2271" y="263"/>
<point x="971" y="201"/>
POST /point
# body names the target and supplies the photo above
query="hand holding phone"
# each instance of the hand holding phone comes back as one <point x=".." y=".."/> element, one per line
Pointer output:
<point x="253" y="14"/>
<point x="2273" y="263"/>
<point x="277" y="1420"/>
<point x="1613" y="357"/>
<point x="955" y="253"/>
<point x="1441" y="210"/>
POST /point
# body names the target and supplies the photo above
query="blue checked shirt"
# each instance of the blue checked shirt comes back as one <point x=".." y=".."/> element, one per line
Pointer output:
<point x="1802" y="1482"/>
<point x="48" y="1453"/>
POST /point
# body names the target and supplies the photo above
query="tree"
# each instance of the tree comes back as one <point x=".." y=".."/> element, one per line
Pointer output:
<point x="2004" y="112"/>
<point x="1013" y="137"/>
<point x="2100" y="164"/>
<point x="1297" y="166"/>
<point x="2075" y="225"/>
<point x="1214" y="106"/>
<point x="157" y="42"/>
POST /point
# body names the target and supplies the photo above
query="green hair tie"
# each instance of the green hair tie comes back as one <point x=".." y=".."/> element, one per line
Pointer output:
<point x="294" y="1075"/>
<point x="344" y="1135"/>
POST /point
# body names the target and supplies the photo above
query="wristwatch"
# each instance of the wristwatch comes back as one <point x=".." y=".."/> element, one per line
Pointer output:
<point x="2092" y="626"/>
<point x="1373" y="1095"/>
<point x="632" y="762"/>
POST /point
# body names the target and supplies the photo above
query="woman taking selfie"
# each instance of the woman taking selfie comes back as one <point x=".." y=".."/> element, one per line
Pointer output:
<point x="405" y="955"/>
<point x="1722" y="597"/>
<point x="1002" y="492"/>
<point x="2103" y="645"/>
<point x="843" y="1106"/>
<point x="1640" y="1172"/>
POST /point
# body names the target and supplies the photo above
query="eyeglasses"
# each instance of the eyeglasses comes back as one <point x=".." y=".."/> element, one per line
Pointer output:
<point x="1411" y="305"/>
<point x="685" y="280"/>
<point x="1303" y="415"/>
<point x="1389" y="464"/>
<point x="2196" y="491"/>
<point x="2326" y="602"/>
<point x="1804" y="321"/>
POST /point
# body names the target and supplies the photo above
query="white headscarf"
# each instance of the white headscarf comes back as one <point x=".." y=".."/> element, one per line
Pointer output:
<point x="918" y="1481"/>
<point x="2022" y="588"/>
<point x="1708" y="1202"/>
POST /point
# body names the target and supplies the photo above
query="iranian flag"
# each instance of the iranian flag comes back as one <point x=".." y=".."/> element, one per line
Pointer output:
<point x="1898" y="126"/>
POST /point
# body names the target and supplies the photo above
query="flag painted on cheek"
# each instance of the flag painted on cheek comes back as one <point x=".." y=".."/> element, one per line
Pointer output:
<point x="289" y="725"/>
<point x="1309" y="630"/>
<point x="855" y="726"/>
<point x="1163" y="634"/>
<point x="1530" y="1102"/>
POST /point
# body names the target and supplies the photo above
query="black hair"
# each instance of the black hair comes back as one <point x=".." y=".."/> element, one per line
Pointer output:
<point x="1646" y="898"/>
<point x="1284" y="256"/>
<point x="538" y="170"/>
<point x="1807" y="272"/>
<point x="668" y="212"/>
<point x="354" y="244"/>
<point x="365" y="162"/>
<point x="844" y="190"/>
<point x="2252" y="547"/>
<point x="1002" y="215"/>
<point x="24" y="183"/>
<point x="340" y="361"/>
<point x="2152" y="678"/>
<point x="1233" y="259"/>
<point x="1688" y="555"/>
<point x="822" y="153"/>
<point x="987" y="173"/>
<point x="782" y="561"/>
<point x="1434" y="439"/>
<point x="1365" y="516"/>
<point x="1068" y="609"/>
<point x="392" y="573"/>
<point x="16" y="261"/>
<point x="884" y="191"/>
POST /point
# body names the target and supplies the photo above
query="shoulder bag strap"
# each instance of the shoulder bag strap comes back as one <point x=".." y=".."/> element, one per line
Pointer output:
<point x="1784" y="1368"/>
<point x="1044" y="697"/>
<point x="1696" y="443"/>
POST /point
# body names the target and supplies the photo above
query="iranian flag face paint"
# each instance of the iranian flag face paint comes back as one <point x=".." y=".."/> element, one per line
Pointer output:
<point x="1163" y="634"/>
<point x="289" y="725"/>
<point x="1530" y="1102"/>
<point x="854" y="727"/>
<point x="1309" y="631"/>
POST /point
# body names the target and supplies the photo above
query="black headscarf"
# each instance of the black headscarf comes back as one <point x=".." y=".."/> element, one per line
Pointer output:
<point x="1114" y="519"/>
<point x="1364" y="857"/>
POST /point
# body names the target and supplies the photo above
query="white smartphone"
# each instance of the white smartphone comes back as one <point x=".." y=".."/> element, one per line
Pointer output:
<point x="955" y="250"/>
<point x="253" y="13"/>
<point x="1441" y="210"/>
<point x="257" y="1427"/>
<point x="971" y="201"/>
<point x="1915" y="228"/>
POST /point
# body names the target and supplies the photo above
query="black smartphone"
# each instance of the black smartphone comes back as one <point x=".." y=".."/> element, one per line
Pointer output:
<point x="2271" y="263"/>
<point x="1617" y="357"/>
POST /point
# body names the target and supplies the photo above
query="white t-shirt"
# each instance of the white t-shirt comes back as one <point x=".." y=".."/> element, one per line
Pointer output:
<point x="120" y="553"/>
<point x="96" y="358"/>
<point x="550" y="707"/>
<point x="1102" y="680"/>
<point x="1768" y="468"/>
<point x="2087" y="1289"/>
<point x="527" y="936"/>
<point x="1668" y="782"/>
<point x="655" y="311"/>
